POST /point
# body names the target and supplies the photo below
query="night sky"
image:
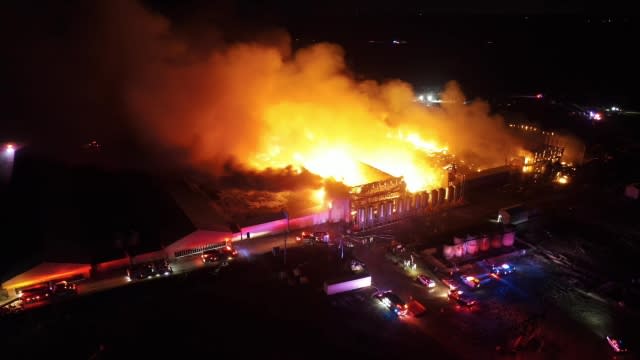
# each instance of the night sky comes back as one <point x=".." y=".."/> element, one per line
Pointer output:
<point x="496" y="47"/>
<point x="53" y="92"/>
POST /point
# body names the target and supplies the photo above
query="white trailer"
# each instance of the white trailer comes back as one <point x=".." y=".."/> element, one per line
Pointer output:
<point x="337" y="287"/>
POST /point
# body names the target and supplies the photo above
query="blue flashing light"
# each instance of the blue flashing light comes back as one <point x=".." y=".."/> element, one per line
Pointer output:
<point x="505" y="266"/>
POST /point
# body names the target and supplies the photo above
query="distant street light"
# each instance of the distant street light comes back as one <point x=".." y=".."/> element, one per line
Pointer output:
<point x="6" y="162"/>
<point x="9" y="149"/>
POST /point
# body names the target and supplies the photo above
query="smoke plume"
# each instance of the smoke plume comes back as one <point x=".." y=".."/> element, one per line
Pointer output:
<point x="246" y="107"/>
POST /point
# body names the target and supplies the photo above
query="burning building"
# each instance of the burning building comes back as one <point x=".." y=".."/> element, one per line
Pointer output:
<point x="264" y="107"/>
<point x="389" y="200"/>
<point x="541" y="148"/>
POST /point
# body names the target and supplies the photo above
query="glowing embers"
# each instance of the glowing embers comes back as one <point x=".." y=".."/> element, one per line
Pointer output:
<point x="319" y="196"/>
<point x="354" y="158"/>
<point x="334" y="163"/>
<point x="427" y="146"/>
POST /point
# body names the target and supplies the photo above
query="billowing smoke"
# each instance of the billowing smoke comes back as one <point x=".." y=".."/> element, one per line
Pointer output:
<point x="237" y="110"/>
<point x="260" y="105"/>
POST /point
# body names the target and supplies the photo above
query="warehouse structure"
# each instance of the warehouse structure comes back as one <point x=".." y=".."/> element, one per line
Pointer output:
<point x="389" y="200"/>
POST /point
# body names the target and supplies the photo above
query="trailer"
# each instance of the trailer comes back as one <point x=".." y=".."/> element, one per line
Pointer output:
<point x="349" y="284"/>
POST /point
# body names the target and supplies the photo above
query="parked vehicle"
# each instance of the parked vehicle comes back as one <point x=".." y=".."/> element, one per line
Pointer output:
<point x="449" y="283"/>
<point x="461" y="298"/>
<point x="140" y="271"/>
<point x="210" y="256"/>
<point x="162" y="267"/>
<point x="149" y="270"/>
<point x="471" y="281"/>
<point x="229" y="252"/>
<point x="321" y="236"/>
<point x="35" y="294"/>
<point x="357" y="265"/>
<point x="426" y="281"/>
<point x="392" y="302"/>
<point x="617" y="345"/>
<point x="504" y="269"/>
<point x="64" y="288"/>
<point x="305" y="238"/>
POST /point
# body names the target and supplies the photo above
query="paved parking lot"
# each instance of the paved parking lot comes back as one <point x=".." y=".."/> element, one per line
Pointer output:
<point x="535" y="301"/>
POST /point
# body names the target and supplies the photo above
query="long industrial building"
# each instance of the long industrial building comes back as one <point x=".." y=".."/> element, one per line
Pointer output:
<point x="82" y="223"/>
<point x="389" y="200"/>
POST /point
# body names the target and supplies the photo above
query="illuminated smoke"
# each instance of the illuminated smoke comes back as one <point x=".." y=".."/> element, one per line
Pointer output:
<point x="264" y="108"/>
<point x="259" y="106"/>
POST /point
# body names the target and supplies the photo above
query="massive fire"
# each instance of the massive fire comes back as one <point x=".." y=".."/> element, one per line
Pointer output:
<point x="336" y="150"/>
<point x="263" y="105"/>
<point x="408" y="158"/>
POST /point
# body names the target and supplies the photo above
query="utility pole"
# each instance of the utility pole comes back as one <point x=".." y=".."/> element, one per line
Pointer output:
<point x="286" y="235"/>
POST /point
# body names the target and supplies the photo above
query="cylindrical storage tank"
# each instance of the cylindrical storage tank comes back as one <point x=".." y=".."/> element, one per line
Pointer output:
<point x="484" y="243"/>
<point x="434" y="198"/>
<point x="448" y="251"/>
<point x="472" y="247"/>
<point x="381" y="213"/>
<point x="456" y="189"/>
<point x="508" y="238"/>
<point x="425" y="203"/>
<point x="459" y="250"/>
<point x="441" y="195"/>
<point x="450" y="191"/>
<point x="496" y="240"/>
<point x="390" y="209"/>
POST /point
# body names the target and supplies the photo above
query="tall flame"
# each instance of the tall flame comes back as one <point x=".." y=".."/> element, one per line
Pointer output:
<point x="407" y="157"/>
<point x="266" y="106"/>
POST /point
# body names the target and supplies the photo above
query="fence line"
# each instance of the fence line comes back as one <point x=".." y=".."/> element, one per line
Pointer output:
<point x="199" y="250"/>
